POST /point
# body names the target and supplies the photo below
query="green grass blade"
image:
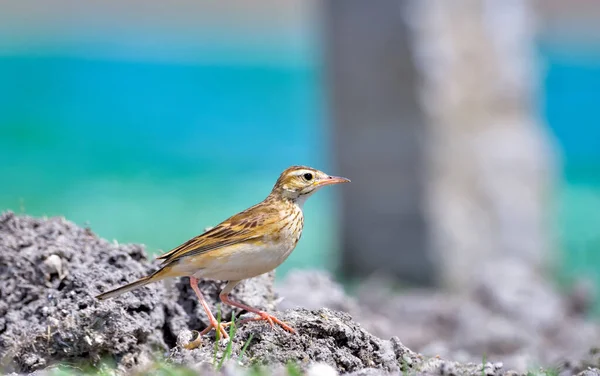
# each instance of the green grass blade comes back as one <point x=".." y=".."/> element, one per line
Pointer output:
<point x="245" y="346"/>
<point x="217" y="335"/>
<point x="483" y="362"/>
<point x="229" y="348"/>
<point x="293" y="369"/>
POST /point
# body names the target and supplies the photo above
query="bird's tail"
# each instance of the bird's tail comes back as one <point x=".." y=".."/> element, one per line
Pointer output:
<point x="128" y="287"/>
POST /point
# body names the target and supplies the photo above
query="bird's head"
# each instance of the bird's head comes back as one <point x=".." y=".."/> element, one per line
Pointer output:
<point x="299" y="182"/>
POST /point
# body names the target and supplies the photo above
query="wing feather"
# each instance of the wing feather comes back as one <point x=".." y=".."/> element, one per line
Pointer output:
<point x="247" y="225"/>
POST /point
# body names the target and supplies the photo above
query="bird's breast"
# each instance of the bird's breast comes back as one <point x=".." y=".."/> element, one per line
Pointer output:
<point x="254" y="257"/>
<point x="289" y="229"/>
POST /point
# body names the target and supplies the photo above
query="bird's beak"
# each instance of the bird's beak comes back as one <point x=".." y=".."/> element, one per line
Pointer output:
<point x="333" y="180"/>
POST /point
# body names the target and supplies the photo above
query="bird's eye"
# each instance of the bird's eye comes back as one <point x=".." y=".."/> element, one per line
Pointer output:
<point x="308" y="176"/>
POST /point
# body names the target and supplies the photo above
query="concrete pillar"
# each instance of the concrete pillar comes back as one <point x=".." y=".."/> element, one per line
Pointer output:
<point x="379" y="137"/>
<point x="465" y="182"/>
<point x="491" y="163"/>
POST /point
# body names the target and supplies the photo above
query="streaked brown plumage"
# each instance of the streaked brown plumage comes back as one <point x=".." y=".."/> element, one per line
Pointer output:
<point x="250" y="243"/>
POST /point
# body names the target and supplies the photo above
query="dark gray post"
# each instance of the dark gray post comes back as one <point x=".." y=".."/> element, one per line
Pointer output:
<point x="378" y="137"/>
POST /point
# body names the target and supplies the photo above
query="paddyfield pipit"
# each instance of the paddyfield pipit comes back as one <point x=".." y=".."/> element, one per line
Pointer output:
<point x="248" y="244"/>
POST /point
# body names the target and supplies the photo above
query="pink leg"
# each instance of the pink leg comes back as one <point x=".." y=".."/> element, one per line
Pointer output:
<point x="213" y="324"/>
<point x="261" y="315"/>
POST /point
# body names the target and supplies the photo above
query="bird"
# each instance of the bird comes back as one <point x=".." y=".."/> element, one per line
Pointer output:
<point x="250" y="243"/>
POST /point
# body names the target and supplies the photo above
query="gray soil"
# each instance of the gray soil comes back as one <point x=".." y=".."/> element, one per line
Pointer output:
<point x="511" y="316"/>
<point x="51" y="269"/>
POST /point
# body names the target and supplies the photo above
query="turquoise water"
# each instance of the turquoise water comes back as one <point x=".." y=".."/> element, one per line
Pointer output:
<point x="153" y="153"/>
<point x="571" y="109"/>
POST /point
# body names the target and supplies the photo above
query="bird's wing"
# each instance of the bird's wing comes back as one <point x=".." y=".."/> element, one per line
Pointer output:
<point x="247" y="225"/>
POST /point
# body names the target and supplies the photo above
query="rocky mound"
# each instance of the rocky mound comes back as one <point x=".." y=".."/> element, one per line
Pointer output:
<point x="50" y="271"/>
<point x="323" y="335"/>
<point x="511" y="315"/>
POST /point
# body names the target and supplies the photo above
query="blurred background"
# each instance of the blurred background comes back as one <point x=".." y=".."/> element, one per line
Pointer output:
<point x="470" y="129"/>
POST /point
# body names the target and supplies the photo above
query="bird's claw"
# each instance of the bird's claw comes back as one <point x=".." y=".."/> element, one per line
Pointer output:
<point x="272" y="320"/>
<point x="219" y="329"/>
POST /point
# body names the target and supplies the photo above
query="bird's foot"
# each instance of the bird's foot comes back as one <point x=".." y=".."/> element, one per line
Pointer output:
<point x="219" y="328"/>
<point x="272" y="320"/>
<point x="220" y="333"/>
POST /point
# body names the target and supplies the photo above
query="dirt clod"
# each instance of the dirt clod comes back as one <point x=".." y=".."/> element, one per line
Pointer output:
<point x="323" y="335"/>
<point x="50" y="271"/>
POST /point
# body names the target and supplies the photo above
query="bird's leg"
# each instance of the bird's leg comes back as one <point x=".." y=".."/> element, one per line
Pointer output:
<point x="261" y="315"/>
<point x="213" y="324"/>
